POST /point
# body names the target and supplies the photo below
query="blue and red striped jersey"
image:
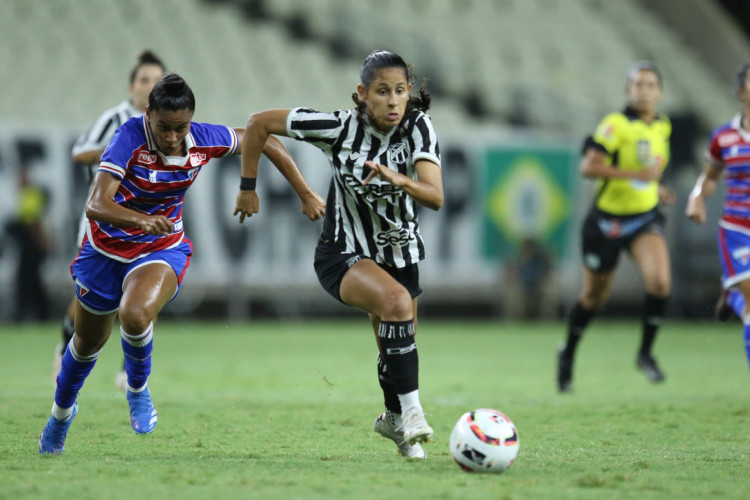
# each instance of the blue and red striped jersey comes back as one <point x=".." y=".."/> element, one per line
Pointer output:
<point x="153" y="184"/>
<point x="730" y="150"/>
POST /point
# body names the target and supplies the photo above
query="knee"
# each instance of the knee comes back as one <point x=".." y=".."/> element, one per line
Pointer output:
<point x="592" y="300"/>
<point x="135" y="320"/>
<point x="660" y="288"/>
<point x="396" y="305"/>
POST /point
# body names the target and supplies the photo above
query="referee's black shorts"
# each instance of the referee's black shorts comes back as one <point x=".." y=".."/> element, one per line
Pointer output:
<point x="604" y="235"/>
<point x="331" y="264"/>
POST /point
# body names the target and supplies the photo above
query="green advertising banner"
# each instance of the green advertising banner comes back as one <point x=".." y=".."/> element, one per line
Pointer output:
<point x="527" y="194"/>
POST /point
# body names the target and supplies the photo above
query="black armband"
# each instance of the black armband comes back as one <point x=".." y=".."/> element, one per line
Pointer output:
<point x="247" y="183"/>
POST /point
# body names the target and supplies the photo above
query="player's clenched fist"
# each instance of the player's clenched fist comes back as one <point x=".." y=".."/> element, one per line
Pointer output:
<point x="246" y="204"/>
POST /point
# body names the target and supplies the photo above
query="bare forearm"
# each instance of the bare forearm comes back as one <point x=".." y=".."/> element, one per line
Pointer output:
<point x="284" y="163"/>
<point x="425" y="194"/>
<point x="109" y="212"/>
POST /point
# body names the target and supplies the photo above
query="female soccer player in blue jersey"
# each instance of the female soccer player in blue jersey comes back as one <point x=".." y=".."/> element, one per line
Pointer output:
<point x="88" y="150"/>
<point x="135" y="253"/>
<point x="385" y="160"/>
<point x="729" y="151"/>
<point x="626" y="155"/>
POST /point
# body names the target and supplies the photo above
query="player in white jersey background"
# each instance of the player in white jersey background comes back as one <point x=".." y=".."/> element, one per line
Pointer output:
<point x="729" y="153"/>
<point x="386" y="161"/>
<point x="88" y="149"/>
<point x="136" y="253"/>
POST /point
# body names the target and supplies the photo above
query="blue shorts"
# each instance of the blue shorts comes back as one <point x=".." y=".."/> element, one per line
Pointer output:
<point x="99" y="279"/>
<point x="734" y="254"/>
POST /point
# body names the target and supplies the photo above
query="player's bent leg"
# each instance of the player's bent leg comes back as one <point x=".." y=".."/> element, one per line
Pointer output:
<point x="651" y="255"/>
<point x="77" y="362"/>
<point x="596" y="287"/>
<point x="146" y="289"/>
<point x="367" y="286"/>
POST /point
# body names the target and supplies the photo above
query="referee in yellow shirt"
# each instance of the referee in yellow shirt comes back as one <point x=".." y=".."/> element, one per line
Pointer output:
<point x="626" y="155"/>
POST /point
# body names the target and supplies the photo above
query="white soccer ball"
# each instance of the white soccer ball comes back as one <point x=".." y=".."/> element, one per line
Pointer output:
<point x="484" y="440"/>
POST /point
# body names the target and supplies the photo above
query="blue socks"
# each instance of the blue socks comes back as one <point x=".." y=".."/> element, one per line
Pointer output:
<point x="137" y="349"/>
<point x="73" y="371"/>
<point x="737" y="302"/>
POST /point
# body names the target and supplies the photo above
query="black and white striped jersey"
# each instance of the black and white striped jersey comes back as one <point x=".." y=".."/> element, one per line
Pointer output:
<point x="378" y="220"/>
<point x="98" y="135"/>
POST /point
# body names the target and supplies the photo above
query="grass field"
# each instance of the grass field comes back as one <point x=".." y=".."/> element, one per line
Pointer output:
<point x="285" y="410"/>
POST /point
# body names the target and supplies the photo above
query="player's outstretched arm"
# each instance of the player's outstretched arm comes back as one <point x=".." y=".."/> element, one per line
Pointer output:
<point x="255" y="141"/>
<point x="705" y="186"/>
<point x="101" y="207"/>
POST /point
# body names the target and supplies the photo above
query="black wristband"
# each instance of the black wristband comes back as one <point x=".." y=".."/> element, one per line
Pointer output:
<point x="247" y="183"/>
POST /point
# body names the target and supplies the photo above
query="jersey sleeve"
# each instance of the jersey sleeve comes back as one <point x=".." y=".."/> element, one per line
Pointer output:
<point x="99" y="134"/>
<point x="424" y="140"/>
<point x="714" y="155"/>
<point x="316" y="127"/>
<point x="220" y="139"/>
<point x="118" y="153"/>
<point x="608" y="134"/>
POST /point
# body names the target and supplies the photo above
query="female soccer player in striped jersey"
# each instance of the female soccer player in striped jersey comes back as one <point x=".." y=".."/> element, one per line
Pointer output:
<point x="89" y="148"/>
<point x="386" y="161"/>
<point x="135" y="253"/>
<point x="627" y="154"/>
<point x="729" y="151"/>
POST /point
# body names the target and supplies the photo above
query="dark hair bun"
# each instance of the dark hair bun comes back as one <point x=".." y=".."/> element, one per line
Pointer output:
<point x="174" y="84"/>
<point x="148" y="57"/>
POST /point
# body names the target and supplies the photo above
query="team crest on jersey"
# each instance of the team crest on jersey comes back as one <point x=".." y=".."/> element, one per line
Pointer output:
<point x="643" y="152"/>
<point x="146" y="158"/>
<point x="741" y="255"/>
<point x="197" y="159"/>
<point x="398" y="153"/>
<point x="152" y="176"/>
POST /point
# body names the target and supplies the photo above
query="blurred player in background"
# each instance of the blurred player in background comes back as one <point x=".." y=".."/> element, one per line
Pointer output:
<point x="135" y="253"/>
<point x="729" y="151"/>
<point x="88" y="150"/>
<point x="627" y="155"/>
<point x="385" y="161"/>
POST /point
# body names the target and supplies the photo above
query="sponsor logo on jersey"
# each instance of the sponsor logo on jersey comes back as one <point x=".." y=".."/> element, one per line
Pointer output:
<point x="372" y="190"/>
<point x="197" y="159"/>
<point x="145" y="158"/>
<point x="398" y="153"/>
<point x="741" y="255"/>
<point x="399" y="236"/>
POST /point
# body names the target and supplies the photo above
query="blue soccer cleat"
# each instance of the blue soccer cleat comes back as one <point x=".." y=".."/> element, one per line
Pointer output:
<point x="52" y="440"/>
<point x="142" y="412"/>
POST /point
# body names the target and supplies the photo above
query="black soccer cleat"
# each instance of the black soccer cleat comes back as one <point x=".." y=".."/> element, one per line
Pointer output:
<point x="564" y="371"/>
<point x="647" y="364"/>
<point x="722" y="310"/>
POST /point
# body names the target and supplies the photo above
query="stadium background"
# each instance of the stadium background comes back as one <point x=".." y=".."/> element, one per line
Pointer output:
<point x="516" y="85"/>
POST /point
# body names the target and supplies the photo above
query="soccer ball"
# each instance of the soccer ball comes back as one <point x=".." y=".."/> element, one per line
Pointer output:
<point x="484" y="440"/>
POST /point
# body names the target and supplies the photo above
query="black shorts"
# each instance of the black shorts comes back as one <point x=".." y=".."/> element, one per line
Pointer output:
<point x="604" y="235"/>
<point x="331" y="264"/>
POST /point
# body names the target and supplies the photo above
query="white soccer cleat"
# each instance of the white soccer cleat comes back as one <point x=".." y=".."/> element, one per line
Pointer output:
<point x="415" y="427"/>
<point x="387" y="426"/>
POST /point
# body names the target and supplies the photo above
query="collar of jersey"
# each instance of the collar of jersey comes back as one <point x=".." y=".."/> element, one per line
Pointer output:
<point x="737" y="125"/>
<point x="632" y="115"/>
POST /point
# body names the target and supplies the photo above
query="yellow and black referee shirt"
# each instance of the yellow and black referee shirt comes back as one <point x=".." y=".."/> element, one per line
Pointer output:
<point x="631" y="144"/>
